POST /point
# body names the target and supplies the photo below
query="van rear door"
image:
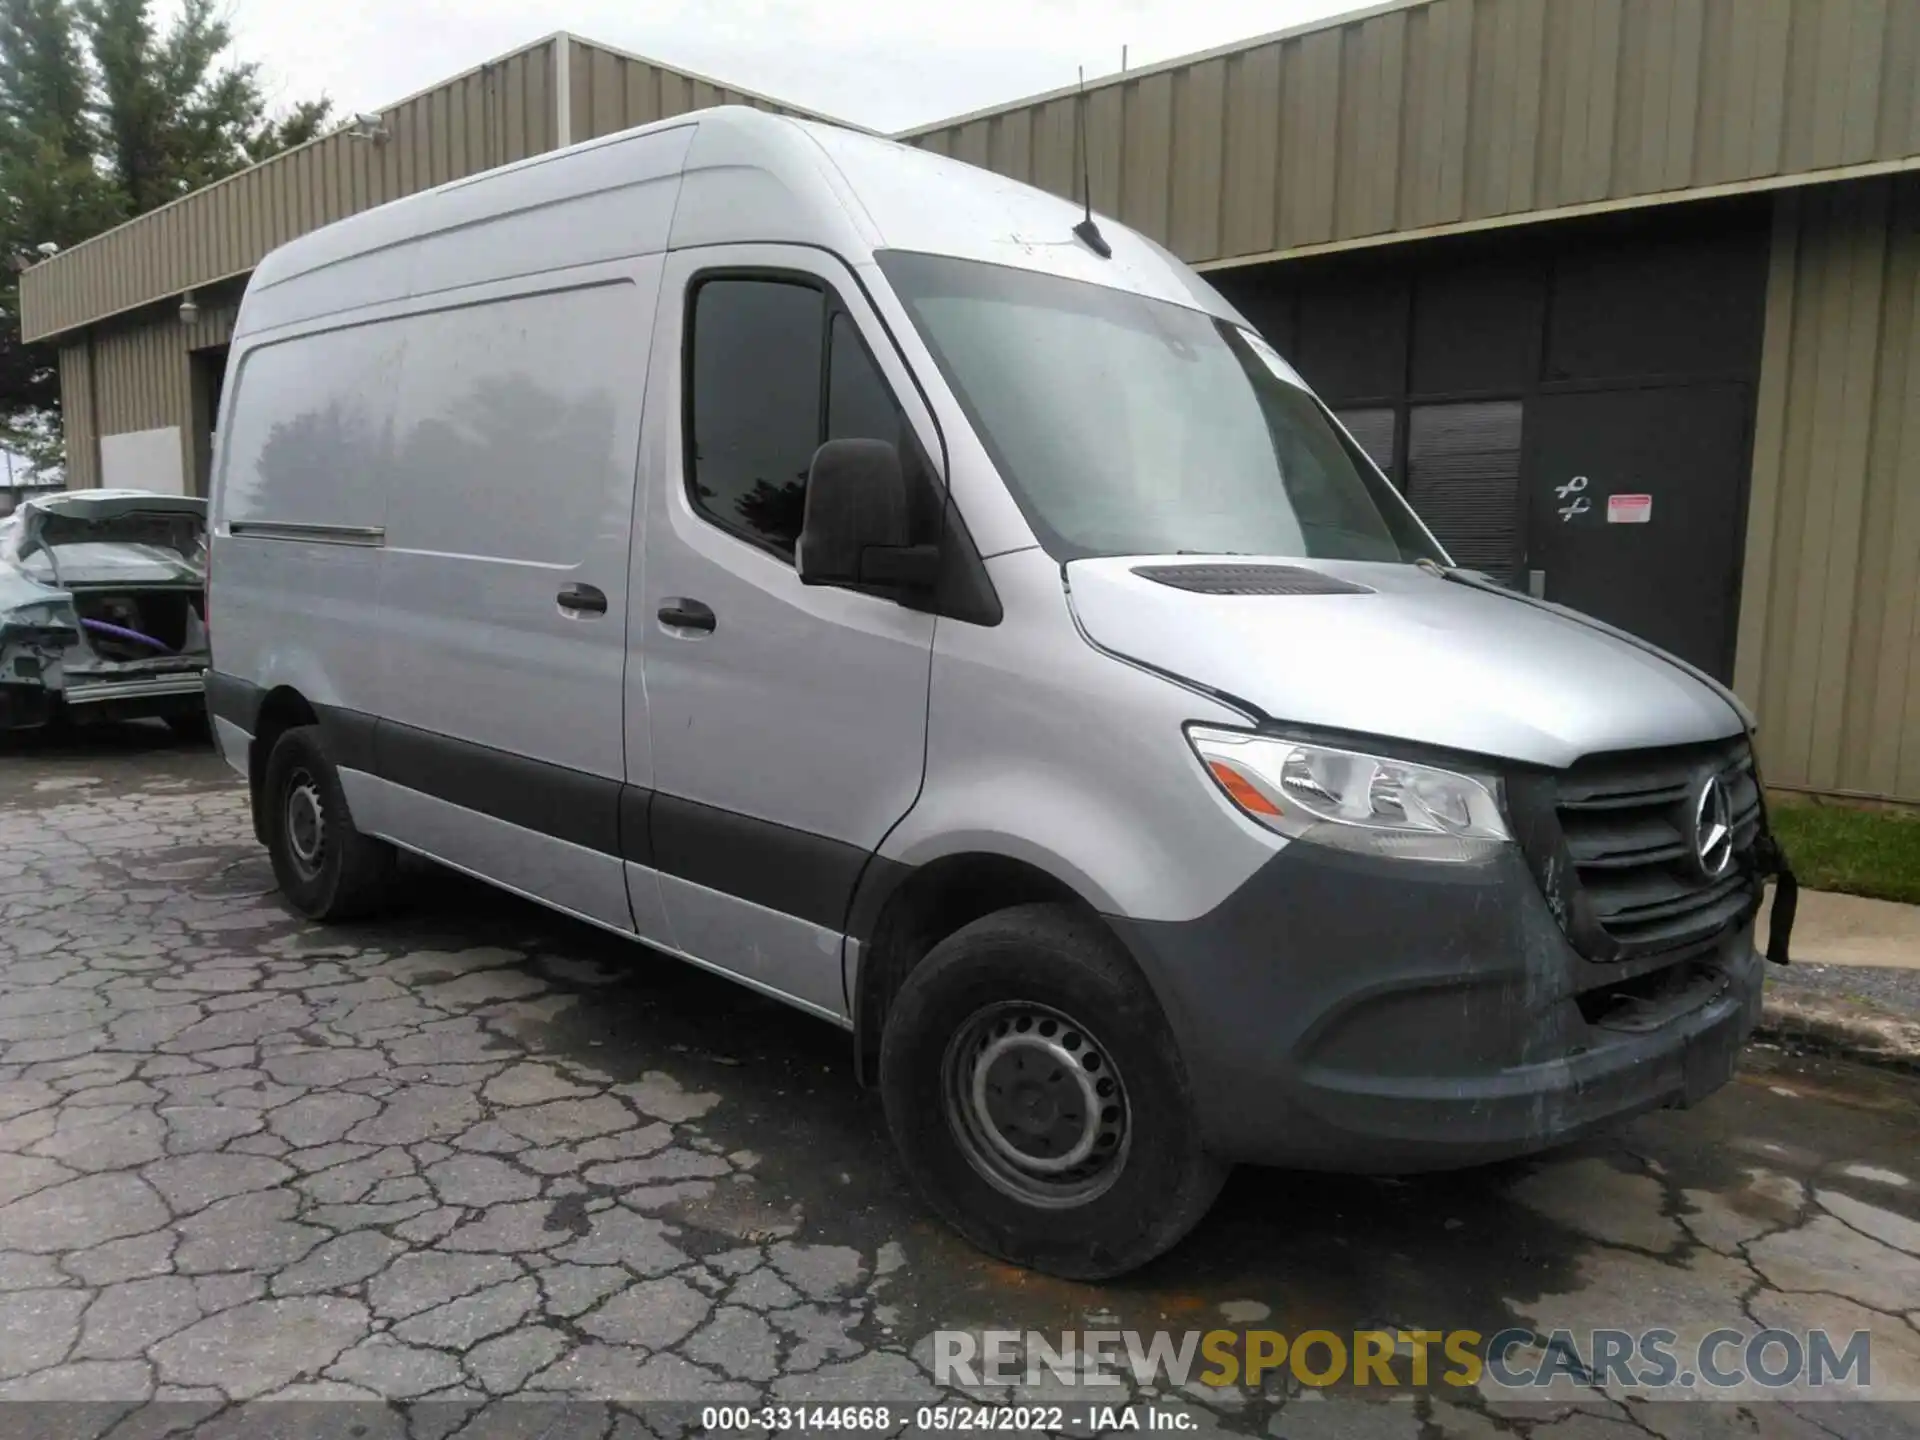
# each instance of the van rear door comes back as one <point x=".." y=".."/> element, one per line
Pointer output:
<point x="787" y="722"/>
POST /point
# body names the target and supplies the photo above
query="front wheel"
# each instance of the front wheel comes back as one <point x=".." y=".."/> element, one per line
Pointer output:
<point x="1037" y="1098"/>
<point x="326" y="868"/>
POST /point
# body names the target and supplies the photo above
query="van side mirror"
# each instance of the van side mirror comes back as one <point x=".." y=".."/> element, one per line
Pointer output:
<point x="855" y="528"/>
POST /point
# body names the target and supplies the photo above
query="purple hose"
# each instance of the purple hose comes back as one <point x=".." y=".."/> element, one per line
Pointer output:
<point x="120" y="632"/>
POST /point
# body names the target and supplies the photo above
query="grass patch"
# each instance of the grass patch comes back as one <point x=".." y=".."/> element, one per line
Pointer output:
<point x="1859" y="852"/>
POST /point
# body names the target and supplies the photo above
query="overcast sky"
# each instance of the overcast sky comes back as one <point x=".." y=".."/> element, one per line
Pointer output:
<point x="885" y="65"/>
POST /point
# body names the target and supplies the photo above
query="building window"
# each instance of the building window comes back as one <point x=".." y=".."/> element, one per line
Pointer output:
<point x="1463" y="477"/>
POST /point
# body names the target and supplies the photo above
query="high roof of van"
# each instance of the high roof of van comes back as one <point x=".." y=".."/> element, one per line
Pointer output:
<point x="725" y="175"/>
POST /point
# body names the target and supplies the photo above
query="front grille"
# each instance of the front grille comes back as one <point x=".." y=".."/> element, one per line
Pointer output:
<point x="1627" y="823"/>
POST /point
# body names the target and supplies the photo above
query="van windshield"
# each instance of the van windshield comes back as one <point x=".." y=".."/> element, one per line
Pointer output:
<point x="1130" y="426"/>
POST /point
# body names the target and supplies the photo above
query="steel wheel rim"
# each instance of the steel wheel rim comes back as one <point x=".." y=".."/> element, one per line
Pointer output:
<point x="1036" y="1104"/>
<point x="306" y="823"/>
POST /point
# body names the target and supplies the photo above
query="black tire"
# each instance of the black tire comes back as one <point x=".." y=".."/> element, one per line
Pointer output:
<point x="957" y="1020"/>
<point x="328" y="871"/>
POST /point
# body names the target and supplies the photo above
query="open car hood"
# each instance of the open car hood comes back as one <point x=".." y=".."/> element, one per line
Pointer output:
<point x="1396" y="651"/>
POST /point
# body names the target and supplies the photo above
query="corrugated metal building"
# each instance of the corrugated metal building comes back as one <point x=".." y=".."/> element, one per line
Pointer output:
<point x="138" y="380"/>
<point x="1624" y="293"/>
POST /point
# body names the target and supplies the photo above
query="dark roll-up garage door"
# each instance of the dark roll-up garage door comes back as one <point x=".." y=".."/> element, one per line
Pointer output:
<point x="1463" y="476"/>
<point x="1642" y="483"/>
<point x="1373" y="431"/>
<point x="1615" y="355"/>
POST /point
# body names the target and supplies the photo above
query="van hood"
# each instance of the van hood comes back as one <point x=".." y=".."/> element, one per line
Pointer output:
<point x="1396" y="651"/>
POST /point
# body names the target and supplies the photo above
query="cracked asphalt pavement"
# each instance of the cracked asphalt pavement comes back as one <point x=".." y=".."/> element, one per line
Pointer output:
<point x="477" y="1156"/>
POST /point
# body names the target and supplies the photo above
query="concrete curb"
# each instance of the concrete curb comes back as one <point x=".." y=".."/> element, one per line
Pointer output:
<point x="1841" y="1027"/>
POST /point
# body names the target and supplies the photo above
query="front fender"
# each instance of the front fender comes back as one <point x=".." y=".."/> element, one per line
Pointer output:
<point x="1044" y="749"/>
<point x="1101" y="846"/>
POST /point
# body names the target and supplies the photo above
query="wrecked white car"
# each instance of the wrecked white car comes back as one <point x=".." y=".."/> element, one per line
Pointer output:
<point x="103" y="609"/>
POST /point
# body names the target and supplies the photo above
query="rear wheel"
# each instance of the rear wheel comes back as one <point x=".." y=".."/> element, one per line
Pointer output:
<point x="326" y="868"/>
<point x="1037" y="1097"/>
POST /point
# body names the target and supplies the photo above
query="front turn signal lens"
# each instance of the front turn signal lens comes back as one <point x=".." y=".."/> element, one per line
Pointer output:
<point x="1245" y="794"/>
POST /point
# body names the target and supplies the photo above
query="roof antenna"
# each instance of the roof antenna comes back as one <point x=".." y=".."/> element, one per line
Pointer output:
<point x="1086" y="230"/>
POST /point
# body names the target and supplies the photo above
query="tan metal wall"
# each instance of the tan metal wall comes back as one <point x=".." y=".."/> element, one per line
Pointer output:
<point x="132" y="371"/>
<point x="77" y="421"/>
<point x="134" y="376"/>
<point x="1439" y="113"/>
<point x="502" y="111"/>
<point x="494" y="114"/>
<point x="1830" y="616"/>
<point x="613" y="91"/>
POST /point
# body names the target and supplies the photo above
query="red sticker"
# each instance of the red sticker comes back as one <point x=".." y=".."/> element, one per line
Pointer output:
<point x="1629" y="509"/>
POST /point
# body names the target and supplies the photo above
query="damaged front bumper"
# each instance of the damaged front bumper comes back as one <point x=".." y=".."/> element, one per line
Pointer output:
<point x="102" y="608"/>
<point x="30" y="703"/>
<point x="1348" y="1013"/>
<point x="126" y="686"/>
<point x="33" y="646"/>
<point x="46" y="670"/>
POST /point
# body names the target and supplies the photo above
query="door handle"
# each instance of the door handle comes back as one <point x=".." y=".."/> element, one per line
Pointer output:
<point x="583" y="600"/>
<point x="679" y="613"/>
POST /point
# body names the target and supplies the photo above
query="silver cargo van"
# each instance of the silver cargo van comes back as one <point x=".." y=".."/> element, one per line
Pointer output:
<point x="874" y="580"/>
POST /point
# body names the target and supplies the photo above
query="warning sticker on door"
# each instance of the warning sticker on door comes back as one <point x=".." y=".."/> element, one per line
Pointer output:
<point x="1629" y="509"/>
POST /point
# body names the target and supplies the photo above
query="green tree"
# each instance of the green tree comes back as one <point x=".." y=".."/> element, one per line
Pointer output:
<point x="52" y="192"/>
<point x="105" y="115"/>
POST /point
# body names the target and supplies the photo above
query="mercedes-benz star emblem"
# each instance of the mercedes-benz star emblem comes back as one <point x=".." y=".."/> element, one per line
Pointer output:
<point x="1712" y="828"/>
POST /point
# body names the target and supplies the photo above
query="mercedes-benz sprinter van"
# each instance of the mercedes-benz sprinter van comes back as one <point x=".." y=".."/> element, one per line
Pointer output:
<point x="878" y="582"/>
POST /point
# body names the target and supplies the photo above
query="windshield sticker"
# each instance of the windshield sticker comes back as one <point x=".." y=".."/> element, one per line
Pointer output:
<point x="1271" y="358"/>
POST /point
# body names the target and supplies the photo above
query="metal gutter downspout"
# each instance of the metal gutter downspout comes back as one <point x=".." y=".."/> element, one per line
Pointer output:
<point x="562" y="89"/>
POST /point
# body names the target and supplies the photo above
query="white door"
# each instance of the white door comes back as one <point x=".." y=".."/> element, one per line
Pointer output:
<point x="787" y="723"/>
<point x="501" y="746"/>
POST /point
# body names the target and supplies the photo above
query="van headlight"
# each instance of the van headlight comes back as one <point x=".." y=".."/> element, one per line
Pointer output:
<point x="1350" y="800"/>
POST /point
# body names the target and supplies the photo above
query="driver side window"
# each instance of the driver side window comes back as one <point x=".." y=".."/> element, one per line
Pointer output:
<point x="775" y="367"/>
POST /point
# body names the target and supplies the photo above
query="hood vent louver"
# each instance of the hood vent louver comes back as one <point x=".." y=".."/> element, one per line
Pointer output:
<point x="1248" y="580"/>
